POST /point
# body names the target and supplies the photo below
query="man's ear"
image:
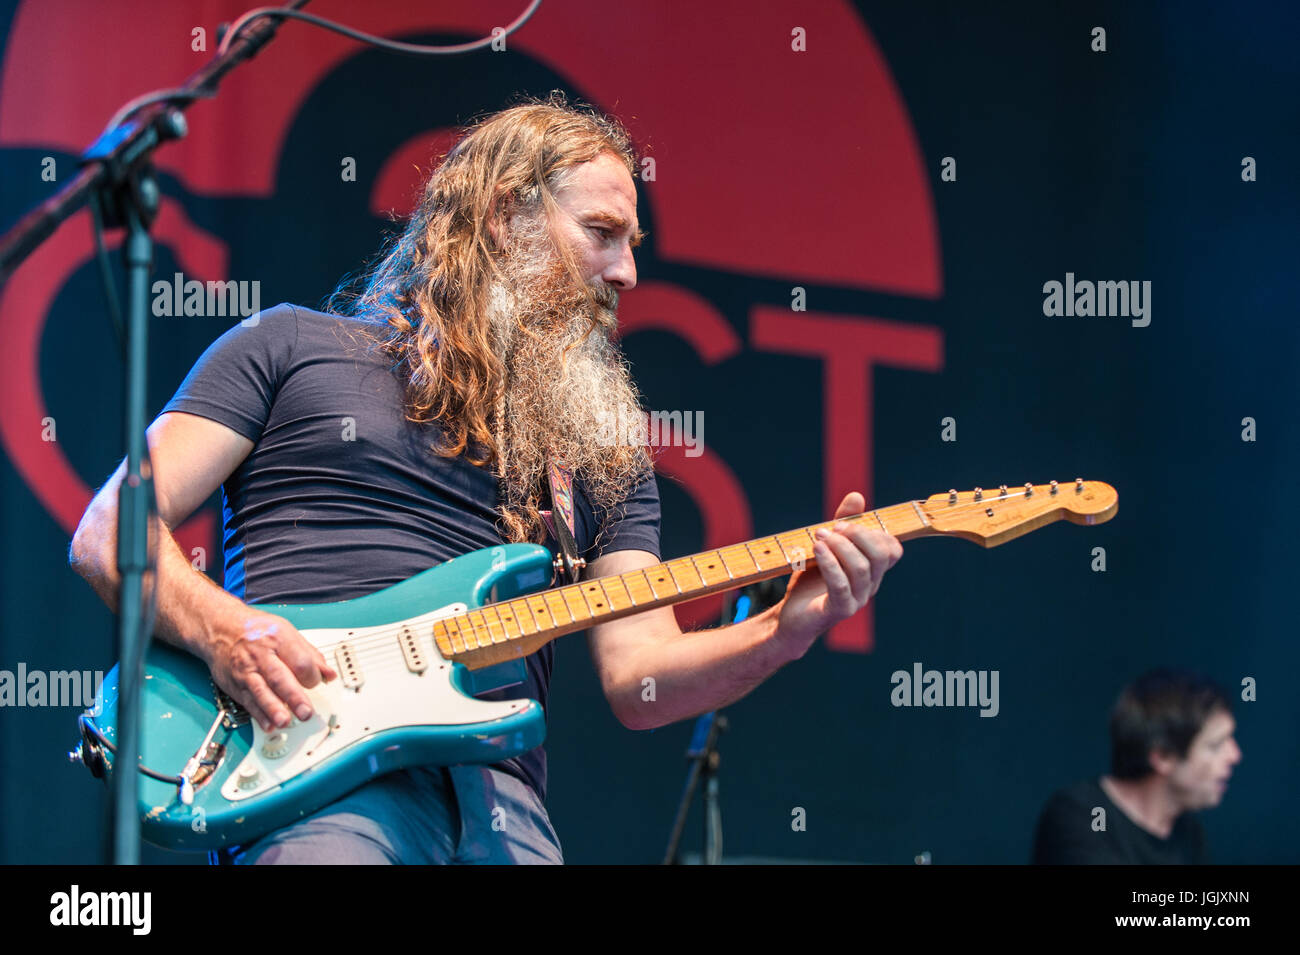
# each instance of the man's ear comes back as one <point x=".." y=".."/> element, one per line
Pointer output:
<point x="503" y="207"/>
<point x="1162" y="763"/>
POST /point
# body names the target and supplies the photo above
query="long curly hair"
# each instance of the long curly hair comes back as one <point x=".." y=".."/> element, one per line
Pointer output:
<point x="428" y="294"/>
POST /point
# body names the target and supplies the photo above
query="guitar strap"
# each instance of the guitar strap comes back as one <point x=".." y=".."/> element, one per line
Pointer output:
<point x="560" y="479"/>
<point x="561" y="482"/>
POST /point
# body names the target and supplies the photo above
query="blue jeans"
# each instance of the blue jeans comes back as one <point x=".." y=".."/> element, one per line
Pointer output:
<point x="421" y="816"/>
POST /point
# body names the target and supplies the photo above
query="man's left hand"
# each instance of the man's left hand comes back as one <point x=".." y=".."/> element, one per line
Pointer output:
<point x="851" y="560"/>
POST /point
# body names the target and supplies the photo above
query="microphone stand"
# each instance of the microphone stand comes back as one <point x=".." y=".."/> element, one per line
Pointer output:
<point x="702" y="752"/>
<point x="117" y="175"/>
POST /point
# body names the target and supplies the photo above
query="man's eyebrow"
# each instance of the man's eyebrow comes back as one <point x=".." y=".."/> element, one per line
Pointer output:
<point x="615" y="221"/>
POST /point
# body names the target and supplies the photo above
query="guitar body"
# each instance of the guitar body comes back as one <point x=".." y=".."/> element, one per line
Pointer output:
<point x="398" y="703"/>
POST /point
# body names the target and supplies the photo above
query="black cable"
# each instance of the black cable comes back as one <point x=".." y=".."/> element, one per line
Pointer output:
<point x="106" y="273"/>
<point x="157" y="96"/>
<point x="415" y="49"/>
<point x="89" y="728"/>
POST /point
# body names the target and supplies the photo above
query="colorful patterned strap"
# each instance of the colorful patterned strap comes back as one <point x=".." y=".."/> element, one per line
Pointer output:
<point x="561" y="481"/>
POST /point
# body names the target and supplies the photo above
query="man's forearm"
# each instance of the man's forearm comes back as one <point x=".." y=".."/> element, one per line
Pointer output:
<point x="700" y="671"/>
<point x="188" y="602"/>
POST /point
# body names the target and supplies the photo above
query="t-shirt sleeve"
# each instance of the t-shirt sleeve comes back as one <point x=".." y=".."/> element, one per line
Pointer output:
<point x="635" y="526"/>
<point x="236" y="380"/>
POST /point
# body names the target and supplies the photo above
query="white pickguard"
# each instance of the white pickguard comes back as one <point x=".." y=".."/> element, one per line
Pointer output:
<point x="388" y="697"/>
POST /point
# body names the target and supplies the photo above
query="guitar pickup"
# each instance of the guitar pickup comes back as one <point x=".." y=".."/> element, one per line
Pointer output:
<point x="349" y="669"/>
<point x="416" y="661"/>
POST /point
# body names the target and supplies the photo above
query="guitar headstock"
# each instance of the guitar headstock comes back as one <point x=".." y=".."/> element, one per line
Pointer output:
<point x="992" y="517"/>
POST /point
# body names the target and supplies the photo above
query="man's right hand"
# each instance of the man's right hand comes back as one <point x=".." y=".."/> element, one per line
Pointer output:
<point x="264" y="664"/>
<point x="260" y="659"/>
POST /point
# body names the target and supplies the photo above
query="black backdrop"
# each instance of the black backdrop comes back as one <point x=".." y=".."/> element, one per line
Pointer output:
<point x="1117" y="165"/>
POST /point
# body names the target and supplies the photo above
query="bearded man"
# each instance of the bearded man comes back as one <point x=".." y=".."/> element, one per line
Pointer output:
<point x="355" y="450"/>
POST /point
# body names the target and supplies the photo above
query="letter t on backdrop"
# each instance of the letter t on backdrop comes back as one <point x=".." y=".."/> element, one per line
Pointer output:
<point x="849" y="348"/>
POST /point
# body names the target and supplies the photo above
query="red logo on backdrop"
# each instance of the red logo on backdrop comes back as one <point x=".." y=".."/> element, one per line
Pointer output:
<point x="798" y="165"/>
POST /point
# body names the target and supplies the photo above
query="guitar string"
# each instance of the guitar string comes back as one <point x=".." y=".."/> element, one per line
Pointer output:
<point x="382" y="636"/>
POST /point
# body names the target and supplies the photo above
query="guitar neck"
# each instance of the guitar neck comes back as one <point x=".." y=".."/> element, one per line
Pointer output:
<point x="513" y="628"/>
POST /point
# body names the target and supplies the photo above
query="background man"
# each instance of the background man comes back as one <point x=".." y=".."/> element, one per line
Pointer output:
<point x="1172" y="751"/>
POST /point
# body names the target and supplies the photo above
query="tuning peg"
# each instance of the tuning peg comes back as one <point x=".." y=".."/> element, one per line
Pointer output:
<point x="979" y="494"/>
<point x="1029" y="490"/>
<point x="1078" y="485"/>
<point x="1003" y="489"/>
<point x="1054" y="487"/>
<point x="952" y="495"/>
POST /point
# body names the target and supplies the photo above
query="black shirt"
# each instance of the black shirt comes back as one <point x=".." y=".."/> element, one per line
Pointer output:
<point x="1066" y="834"/>
<point x="341" y="495"/>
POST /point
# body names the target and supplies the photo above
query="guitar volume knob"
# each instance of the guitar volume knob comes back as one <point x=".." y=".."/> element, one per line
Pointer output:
<point x="276" y="745"/>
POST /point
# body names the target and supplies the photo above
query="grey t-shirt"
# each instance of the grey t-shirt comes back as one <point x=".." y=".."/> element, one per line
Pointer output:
<point x="341" y="495"/>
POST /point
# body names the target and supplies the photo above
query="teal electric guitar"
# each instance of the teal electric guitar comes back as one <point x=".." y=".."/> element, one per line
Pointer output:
<point x="410" y="660"/>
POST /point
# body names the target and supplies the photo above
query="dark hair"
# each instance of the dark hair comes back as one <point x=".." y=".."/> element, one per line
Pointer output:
<point x="1161" y="710"/>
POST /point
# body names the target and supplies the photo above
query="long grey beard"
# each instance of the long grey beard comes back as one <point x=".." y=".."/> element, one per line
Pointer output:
<point x="565" y="382"/>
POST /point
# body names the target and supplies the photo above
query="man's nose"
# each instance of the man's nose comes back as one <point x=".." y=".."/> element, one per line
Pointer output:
<point x="622" y="272"/>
